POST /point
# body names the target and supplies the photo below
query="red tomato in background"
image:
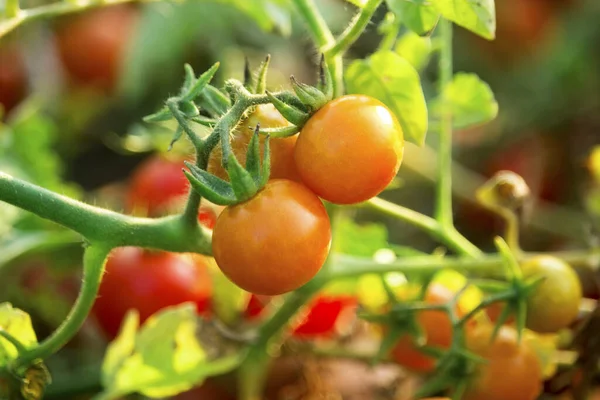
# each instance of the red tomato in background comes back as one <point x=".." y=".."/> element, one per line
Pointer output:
<point x="13" y="76"/>
<point x="256" y="306"/>
<point x="437" y="328"/>
<point x="149" y="281"/>
<point x="92" y="45"/>
<point x="325" y="314"/>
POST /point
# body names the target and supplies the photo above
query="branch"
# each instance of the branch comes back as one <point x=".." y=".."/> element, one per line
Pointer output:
<point x="355" y="29"/>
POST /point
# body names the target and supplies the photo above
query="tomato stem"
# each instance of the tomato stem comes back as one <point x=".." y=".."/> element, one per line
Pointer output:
<point x="94" y="260"/>
<point x="443" y="206"/>
<point x="354" y="29"/>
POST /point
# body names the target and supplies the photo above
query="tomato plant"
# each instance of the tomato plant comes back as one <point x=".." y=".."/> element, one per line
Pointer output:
<point x="325" y="314"/>
<point x="149" y="281"/>
<point x="92" y="46"/>
<point x="13" y="76"/>
<point x="514" y="362"/>
<point x="282" y="149"/>
<point x="274" y="242"/>
<point x="437" y="330"/>
<point x="350" y="150"/>
<point x="554" y="304"/>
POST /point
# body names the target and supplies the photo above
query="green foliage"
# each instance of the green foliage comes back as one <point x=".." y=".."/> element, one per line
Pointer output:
<point x="472" y="101"/>
<point x="419" y="15"/>
<point x="393" y="80"/>
<point x="228" y="300"/>
<point x="359" y="240"/>
<point x="17" y="324"/>
<point x="164" y="357"/>
<point x="414" y="48"/>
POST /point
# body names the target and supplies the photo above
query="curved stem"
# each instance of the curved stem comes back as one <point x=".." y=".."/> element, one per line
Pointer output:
<point x="354" y="30"/>
<point x="12" y="340"/>
<point x="443" y="209"/>
<point x="104" y="226"/>
<point x="94" y="260"/>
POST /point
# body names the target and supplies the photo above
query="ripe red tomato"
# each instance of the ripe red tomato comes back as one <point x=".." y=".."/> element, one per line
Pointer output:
<point x="275" y="242"/>
<point x="554" y="304"/>
<point x="149" y="281"/>
<point x="13" y="77"/>
<point x="512" y="370"/>
<point x="282" y="149"/>
<point x="256" y="306"/>
<point x="325" y="314"/>
<point x="350" y="150"/>
<point x="437" y="328"/>
<point x="92" y="46"/>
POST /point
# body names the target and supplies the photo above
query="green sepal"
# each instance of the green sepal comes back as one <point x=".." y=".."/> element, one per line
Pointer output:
<point x="188" y="109"/>
<point x="210" y="187"/>
<point x="189" y="79"/>
<point x="292" y="114"/>
<point x="261" y="81"/>
<point x="266" y="164"/>
<point x="248" y="80"/>
<point x="490" y="286"/>
<point x="253" y="156"/>
<point x="520" y="318"/>
<point x="325" y="84"/>
<point x="200" y="84"/>
<point x="310" y="95"/>
<point x="215" y="102"/>
<point x="159" y="116"/>
<point x="284" y="132"/>
<point x="204" y="121"/>
<point x="293" y="100"/>
<point x="507" y="311"/>
<point x="176" y="136"/>
<point x="387" y="344"/>
<point x="388" y="290"/>
<point x="242" y="183"/>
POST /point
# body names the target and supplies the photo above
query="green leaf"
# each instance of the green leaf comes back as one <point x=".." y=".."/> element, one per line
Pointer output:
<point x="358" y="3"/>
<point x="478" y="16"/>
<point x="390" y="78"/>
<point x="19" y="243"/>
<point x="360" y="240"/>
<point x="228" y="300"/>
<point x="163" y="358"/>
<point x="414" y="48"/>
<point x="472" y="100"/>
<point x="17" y="323"/>
<point x="418" y="15"/>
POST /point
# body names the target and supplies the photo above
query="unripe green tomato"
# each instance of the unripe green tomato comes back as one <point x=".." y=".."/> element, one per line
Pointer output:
<point x="554" y="304"/>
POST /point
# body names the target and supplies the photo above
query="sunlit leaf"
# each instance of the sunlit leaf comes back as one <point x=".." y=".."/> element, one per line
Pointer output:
<point x="360" y="240"/>
<point x="472" y="101"/>
<point x="418" y="15"/>
<point x="17" y="323"/>
<point x="390" y="78"/>
<point x="228" y="300"/>
<point x="414" y="48"/>
<point x="478" y="16"/>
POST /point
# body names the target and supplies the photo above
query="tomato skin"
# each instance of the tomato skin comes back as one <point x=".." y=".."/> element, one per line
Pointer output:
<point x="256" y="306"/>
<point x="554" y="304"/>
<point x="13" y="77"/>
<point x="437" y="328"/>
<point x="149" y="281"/>
<point x="275" y="242"/>
<point x="350" y="149"/>
<point x="323" y="316"/>
<point x="512" y="371"/>
<point x="92" y="45"/>
<point x="282" y="149"/>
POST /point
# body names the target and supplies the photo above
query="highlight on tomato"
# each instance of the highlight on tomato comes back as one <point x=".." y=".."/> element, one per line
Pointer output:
<point x="149" y="281"/>
<point x="511" y="371"/>
<point x="274" y="242"/>
<point x="326" y="315"/>
<point x="350" y="150"/>
<point x="282" y="149"/>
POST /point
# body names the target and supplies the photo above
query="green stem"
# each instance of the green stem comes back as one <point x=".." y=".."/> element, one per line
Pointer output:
<point x="449" y="236"/>
<point x="355" y="29"/>
<point x="101" y="225"/>
<point x="94" y="260"/>
<point x="323" y="38"/>
<point x="12" y="340"/>
<point x="443" y="209"/>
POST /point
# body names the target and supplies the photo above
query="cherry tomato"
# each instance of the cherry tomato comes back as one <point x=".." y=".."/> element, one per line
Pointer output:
<point x="437" y="328"/>
<point x="282" y="149"/>
<point x="554" y="304"/>
<point x="13" y="77"/>
<point x="512" y="370"/>
<point x="350" y="150"/>
<point x="149" y="281"/>
<point x="276" y="241"/>
<point x="92" y="46"/>
<point x="325" y="314"/>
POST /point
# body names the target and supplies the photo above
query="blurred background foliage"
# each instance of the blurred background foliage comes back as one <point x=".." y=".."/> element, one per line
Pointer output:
<point x="75" y="89"/>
